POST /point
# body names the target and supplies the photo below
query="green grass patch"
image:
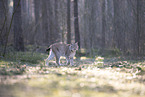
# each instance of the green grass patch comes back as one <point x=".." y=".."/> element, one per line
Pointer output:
<point x="15" y="63"/>
<point x="91" y="77"/>
<point x="24" y="57"/>
<point x="12" y="69"/>
<point x="99" y="52"/>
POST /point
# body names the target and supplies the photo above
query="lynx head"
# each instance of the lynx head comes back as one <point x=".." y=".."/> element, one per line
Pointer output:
<point x="73" y="47"/>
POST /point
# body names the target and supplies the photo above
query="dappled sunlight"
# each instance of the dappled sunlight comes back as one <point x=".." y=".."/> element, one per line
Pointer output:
<point x="90" y="77"/>
<point x="83" y="58"/>
<point x="99" y="58"/>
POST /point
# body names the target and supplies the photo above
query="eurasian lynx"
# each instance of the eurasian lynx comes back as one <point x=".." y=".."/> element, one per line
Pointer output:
<point x="61" y="49"/>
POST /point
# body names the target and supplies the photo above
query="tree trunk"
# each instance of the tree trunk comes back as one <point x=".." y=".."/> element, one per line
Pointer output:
<point x="45" y="23"/>
<point x="119" y="24"/>
<point x="76" y="23"/>
<point x="18" y="35"/>
<point x="3" y="21"/>
<point x="68" y="23"/>
<point x="103" y="24"/>
<point x="37" y="21"/>
<point x="56" y="23"/>
<point x="140" y="33"/>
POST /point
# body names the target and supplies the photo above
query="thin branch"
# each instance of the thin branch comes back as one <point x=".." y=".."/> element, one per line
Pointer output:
<point x="5" y="47"/>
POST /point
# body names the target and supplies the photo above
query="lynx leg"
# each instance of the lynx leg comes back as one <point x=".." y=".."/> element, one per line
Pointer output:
<point x="58" y="60"/>
<point x="71" y="62"/>
<point x="50" y="57"/>
<point x="68" y="61"/>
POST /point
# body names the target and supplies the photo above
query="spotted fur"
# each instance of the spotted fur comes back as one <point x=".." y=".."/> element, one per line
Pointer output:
<point x="61" y="49"/>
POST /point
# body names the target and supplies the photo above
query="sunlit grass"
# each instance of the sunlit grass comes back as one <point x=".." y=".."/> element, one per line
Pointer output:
<point x="83" y="58"/>
<point x="91" y="77"/>
<point x="99" y="58"/>
<point x="85" y="83"/>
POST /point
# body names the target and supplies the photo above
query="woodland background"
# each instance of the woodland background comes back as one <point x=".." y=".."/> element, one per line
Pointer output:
<point x="96" y="24"/>
<point x="109" y="63"/>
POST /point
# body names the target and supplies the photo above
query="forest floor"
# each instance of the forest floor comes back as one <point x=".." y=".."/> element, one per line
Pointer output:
<point x="25" y="75"/>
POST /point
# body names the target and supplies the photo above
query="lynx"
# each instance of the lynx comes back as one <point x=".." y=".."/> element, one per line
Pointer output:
<point x="61" y="49"/>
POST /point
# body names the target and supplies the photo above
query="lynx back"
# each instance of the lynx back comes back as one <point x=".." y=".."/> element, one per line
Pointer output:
<point x="61" y="49"/>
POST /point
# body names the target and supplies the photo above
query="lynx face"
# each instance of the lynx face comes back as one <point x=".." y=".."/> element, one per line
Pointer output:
<point x="60" y="49"/>
<point x="73" y="47"/>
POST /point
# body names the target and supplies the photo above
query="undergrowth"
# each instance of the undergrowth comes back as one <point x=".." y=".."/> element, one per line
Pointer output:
<point x="15" y="63"/>
<point x="24" y="57"/>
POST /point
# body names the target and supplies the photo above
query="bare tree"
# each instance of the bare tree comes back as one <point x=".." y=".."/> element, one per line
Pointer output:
<point x="68" y="22"/>
<point x="103" y="24"/>
<point x="76" y="23"/>
<point x="37" y="9"/>
<point x="18" y="35"/>
<point x="3" y="19"/>
<point x="98" y="24"/>
<point x="139" y="47"/>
